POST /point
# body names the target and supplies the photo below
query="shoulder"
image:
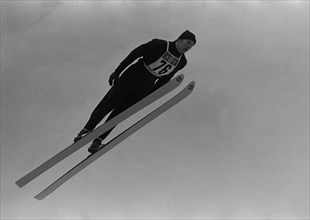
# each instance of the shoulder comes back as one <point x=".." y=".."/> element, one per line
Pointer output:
<point x="151" y="46"/>
<point x="158" y="42"/>
<point x="154" y="47"/>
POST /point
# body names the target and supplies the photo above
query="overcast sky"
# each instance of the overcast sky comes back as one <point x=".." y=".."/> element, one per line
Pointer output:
<point x="237" y="147"/>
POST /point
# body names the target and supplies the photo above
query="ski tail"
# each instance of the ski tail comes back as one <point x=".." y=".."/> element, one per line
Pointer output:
<point x="131" y="130"/>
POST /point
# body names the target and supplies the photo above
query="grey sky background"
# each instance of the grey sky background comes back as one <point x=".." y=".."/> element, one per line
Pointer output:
<point x="238" y="147"/>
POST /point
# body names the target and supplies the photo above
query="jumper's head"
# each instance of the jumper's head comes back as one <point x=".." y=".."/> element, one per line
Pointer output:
<point x="185" y="41"/>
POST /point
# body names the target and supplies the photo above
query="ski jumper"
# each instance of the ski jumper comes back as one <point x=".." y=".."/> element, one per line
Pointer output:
<point x="158" y="62"/>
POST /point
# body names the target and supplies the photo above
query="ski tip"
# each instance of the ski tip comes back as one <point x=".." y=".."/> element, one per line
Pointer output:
<point x="191" y="85"/>
<point x="180" y="78"/>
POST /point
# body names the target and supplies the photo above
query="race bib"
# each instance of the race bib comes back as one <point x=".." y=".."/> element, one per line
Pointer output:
<point x="164" y="65"/>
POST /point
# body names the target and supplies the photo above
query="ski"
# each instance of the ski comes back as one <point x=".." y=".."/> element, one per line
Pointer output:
<point x="171" y="85"/>
<point x="83" y="164"/>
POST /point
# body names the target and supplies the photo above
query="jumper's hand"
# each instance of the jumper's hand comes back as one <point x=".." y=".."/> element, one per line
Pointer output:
<point x="113" y="79"/>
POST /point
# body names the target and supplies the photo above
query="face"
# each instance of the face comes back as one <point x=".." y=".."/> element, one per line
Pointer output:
<point x="184" y="45"/>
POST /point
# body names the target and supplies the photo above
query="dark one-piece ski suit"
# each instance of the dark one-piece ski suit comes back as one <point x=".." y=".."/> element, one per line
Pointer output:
<point x="158" y="62"/>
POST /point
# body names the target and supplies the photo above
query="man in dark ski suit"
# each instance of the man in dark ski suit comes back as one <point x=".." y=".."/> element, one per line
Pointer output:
<point x="158" y="62"/>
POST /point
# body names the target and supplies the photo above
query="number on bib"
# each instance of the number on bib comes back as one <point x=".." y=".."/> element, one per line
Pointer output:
<point x="163" y="67"/>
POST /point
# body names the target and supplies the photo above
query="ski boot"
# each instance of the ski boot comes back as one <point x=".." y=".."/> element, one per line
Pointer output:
<point x="95" y="146"/>
<point x="82" y="134"/>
